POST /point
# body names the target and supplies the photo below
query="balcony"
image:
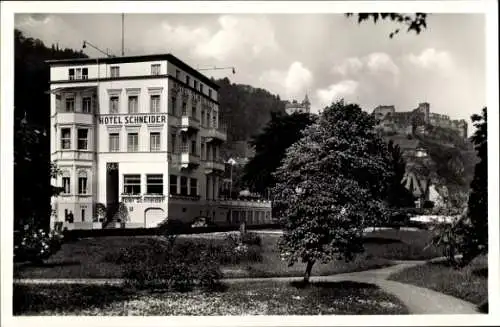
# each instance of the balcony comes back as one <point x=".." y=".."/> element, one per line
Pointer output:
<point x="216" y="135"/>
<point x="189" y="160"/>
<point x="189" y="124"/>
<point x="212" y="167"/>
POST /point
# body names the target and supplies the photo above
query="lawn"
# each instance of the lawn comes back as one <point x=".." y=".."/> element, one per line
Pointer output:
<point x="88" y="258"/>
<point x="469" y="283"/>
<point x="257" y="298"/>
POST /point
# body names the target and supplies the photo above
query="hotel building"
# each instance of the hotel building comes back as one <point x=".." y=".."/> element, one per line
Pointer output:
<point x="139" y="136"/>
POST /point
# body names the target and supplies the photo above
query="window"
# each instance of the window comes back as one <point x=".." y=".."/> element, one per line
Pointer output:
<point x="115" y="71"/>
<point x="154" y="141"/>
<point x="132" y="142"/>
<point x="71" y="73"/>
<point x="188" y="80"/>
<point x="132" y="184"/>
<point x="83" y="215"/>
<point x="133" y="107"/>
<point x="155" y="69"/>
<point x="201" y="88"/>
<point x="114" y="142"/>
<point x="184" y="141"/>
<point x="195" y="84"/>
<point x="82" y="183"/>
<point x="210" y="93"/>
<point x="87" y="105"/>
<point x="203" y="117"/>
<point x="203" y="155"/>
<point x="83" y="134"/>
<point x="184" y="109"/>
<point x="154" y="184"/>
<point x="173" y="184"/>
<point x="193" y="147"/>
<point x="172" y="105"/>
<point x="173" y="149"/>
<point x="66" y="138"/>
<point x="66" y="185"/>
<point x="85" y="73"/>
<point x="214" y="119"/>
<point x="114" y="105"/>
<point x="177" y="74"/>
<point x="193" y="187"/>
<point x="184" y="185"/>
<point x="70" y="104"/>
<point x="155" y="103"/>
<point x="193" y="111"/>
<point x="78" y="73"/>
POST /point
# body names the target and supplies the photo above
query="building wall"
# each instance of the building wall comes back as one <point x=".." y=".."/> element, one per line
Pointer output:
<point x="143" y="210"/>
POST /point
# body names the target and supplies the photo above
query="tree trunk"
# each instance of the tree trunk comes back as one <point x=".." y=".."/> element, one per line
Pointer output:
<point x="307" y="275"/>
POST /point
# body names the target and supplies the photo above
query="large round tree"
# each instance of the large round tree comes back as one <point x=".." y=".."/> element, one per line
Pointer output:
<point x="331" y="185"/>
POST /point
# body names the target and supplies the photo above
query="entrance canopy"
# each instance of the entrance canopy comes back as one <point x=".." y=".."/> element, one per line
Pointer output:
<point x="72" y="89"/>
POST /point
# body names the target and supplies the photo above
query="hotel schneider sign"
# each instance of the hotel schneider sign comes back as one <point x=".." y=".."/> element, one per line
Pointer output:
<point x="133" y="119"/>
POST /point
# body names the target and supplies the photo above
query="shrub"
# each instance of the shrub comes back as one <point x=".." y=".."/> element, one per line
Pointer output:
<point x="251" y="239"/>
<point x="37" y="245"/>
<point x="178" y="267"/>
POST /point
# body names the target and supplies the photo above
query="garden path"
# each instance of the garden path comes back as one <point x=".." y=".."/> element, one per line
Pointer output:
<point x="418" y="300"/>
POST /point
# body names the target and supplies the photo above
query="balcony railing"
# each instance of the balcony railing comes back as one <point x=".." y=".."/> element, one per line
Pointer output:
<point x="189" y="159"/>
<point x="189" y="123"/>
<point x="214" y="166"/>
<point x="216" y="134"/>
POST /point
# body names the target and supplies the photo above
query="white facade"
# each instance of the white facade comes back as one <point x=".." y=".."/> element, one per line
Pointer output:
<point x="141" y="131"/>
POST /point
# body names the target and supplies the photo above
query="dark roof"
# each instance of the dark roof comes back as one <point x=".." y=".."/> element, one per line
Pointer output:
<point x="153" y="57"/>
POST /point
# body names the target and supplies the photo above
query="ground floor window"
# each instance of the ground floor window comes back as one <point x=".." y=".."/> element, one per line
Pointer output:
<point x="154" y="184"/>
<point x="132" y="184"/>
<point x="173" y="184"/>
<point x="184" y="185"/>
<point x="193" y="189"/>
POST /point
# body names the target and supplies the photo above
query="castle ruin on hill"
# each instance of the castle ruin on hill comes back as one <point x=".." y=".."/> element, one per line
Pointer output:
<point x="410" y="122"/>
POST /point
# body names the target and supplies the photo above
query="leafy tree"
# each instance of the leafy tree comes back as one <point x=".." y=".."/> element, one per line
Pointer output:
<point x="416" y="23"/>
<point x="331" y="185"/>
<point x="476" y="236"/>
<point x="281" y="132"/>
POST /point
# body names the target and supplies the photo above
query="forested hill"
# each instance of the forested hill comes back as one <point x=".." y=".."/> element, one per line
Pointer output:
<point x="245" y="110"/>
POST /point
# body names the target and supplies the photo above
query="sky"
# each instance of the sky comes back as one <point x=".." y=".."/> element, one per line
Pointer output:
<point x="327" y="56"/>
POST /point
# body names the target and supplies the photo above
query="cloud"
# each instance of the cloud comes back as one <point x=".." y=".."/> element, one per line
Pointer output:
<point x="334" y="92"/>
<point x="431" y="59"/>
<point x="235" y="37"/>
<point x="241" y="36"/>
<point x="376" y="62"/>
<point x="293" y="82"/>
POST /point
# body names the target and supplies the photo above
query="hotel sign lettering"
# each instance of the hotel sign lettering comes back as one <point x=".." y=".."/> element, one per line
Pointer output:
<point x="135" y="119"/>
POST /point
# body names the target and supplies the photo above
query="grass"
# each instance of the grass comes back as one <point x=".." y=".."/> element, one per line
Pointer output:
<point x="469" y="283"/>
<point x="258" y="298"/>
<point x="92" y="257"/>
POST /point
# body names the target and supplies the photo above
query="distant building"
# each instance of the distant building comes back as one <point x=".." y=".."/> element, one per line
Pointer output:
<point x="295" y="106"/>
<point x="415" y="121"/>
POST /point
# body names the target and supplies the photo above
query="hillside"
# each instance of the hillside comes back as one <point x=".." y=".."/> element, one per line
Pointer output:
<point x="450" y="161"/>
<point x="245" y="110"/>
